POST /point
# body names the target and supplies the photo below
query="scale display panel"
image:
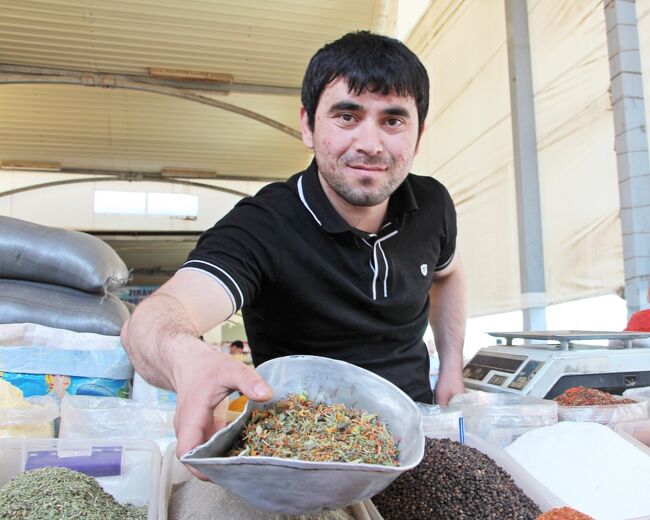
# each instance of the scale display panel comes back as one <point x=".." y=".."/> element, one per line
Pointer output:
<point x="560" y="360"/>
<point x="526" y="374"/>
<point x="481" y="365"/>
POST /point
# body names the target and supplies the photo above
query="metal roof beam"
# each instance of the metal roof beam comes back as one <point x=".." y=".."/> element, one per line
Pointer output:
<point x="157" y="176"/>
<point x="208" y="86"/>
<point x="92" y="79"/>
<point x="113" y="179"/>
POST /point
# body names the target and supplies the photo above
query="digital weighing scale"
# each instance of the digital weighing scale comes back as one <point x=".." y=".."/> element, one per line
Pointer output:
<point x="558" y="362"/>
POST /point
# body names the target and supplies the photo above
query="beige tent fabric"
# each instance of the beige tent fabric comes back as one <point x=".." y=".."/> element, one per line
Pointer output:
<point x="468" y="145"/>
<point x="468" y="141"/>
<point x="577" y="161"/>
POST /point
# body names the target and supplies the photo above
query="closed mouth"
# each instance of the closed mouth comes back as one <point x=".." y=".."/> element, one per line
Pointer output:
<point x="366" y="167"/>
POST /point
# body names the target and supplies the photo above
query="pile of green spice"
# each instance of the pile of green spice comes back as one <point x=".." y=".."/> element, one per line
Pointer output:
<point x="298" y="428"/>
<point x="581" y="396"/>
<point x="61" y="494"/>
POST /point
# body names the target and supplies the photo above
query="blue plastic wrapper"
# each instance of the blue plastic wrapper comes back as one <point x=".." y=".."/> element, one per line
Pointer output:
<point x="57" y="385"/>
<point x="105" y="363"/>
<point x="48" y="361"/>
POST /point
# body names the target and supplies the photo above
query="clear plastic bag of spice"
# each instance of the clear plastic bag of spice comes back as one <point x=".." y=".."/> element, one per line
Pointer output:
<point x="485" y="412"/>
<point x="437" y="418"/>
<point x="608" y="415"/>
<point x="90" y="417"/>
<point x="639" y="394"/>
<point x="29" y="417"/>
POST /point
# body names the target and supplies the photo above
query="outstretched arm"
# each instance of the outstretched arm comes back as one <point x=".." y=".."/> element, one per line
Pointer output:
<point x="162" y="340"/>
<point x="447" y="316"/>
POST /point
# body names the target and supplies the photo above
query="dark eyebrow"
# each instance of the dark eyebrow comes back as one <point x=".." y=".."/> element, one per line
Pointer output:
<point x="396" y="111"/>
<point x="346" y="105"/>
<point x="356" y="107"/>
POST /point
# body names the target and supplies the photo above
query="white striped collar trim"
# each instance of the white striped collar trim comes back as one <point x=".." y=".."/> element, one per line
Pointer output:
<point x="301" y="194"/>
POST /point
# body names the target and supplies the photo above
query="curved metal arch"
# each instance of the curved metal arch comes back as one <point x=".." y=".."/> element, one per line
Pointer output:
<point x="91" y="79"/>
<point x="115" y="179"/>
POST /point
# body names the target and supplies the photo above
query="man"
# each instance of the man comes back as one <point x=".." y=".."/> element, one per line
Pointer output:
<point x="236" y="348"/>
<point x="348" y="259"/>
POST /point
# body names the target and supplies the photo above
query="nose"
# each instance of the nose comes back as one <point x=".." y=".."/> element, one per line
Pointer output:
<point x="369" y="139"/>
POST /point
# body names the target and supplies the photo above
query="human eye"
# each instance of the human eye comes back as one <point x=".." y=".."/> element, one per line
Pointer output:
<point x="346" y="117"/>
<point x="394" y="122"/>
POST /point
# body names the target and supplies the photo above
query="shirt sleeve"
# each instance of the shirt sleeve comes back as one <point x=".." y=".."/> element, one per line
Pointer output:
<point x="448" y="236"/>
<point x="237" y="252"/>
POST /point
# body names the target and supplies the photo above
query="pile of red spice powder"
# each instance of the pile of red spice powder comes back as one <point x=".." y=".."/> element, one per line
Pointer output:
<point x="581" y="396"/>
<point x="564" y="513"/>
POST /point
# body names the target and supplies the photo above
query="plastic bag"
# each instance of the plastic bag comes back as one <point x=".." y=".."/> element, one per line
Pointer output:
<point x="28" y="348"/>
<point x="47" y="361"/>
<point x="439" y="419"/>
<point x="147" y="393"/>
<point x="39" y="253"/>
<point x="484" y="411"/>
<point x="639" y="394"/>
<point x="60" y="307"/>
<point x="33" y="417"/>
<point x="608" y="415"/>
<point x="60" y="385"/>
<point x="116" y="418"/>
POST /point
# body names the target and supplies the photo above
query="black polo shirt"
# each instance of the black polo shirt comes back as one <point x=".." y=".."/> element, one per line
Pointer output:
<point x="308" y="283"/>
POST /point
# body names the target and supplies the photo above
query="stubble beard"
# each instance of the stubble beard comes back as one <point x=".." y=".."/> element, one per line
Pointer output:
<point x="364" y="196"/>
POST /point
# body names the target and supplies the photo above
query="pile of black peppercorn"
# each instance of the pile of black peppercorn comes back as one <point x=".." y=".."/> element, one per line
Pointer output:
<point x="454" y="482"/>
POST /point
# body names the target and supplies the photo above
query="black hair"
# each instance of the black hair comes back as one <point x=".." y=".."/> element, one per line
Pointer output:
<point x="238" y="344"/>
<point x="368" y="62"/>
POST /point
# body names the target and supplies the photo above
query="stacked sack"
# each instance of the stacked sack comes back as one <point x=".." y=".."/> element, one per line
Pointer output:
<point x="59" y="278"/>
<point x="59" y="322"/>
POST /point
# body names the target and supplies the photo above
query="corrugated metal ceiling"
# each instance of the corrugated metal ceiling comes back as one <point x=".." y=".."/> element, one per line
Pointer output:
<point x="258" y="42"/>
<point x="136" y="131"/>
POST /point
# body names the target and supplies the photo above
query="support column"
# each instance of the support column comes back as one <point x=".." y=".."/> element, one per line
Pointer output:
<point x="524" y="138"/>
<point x="631" y="144"/>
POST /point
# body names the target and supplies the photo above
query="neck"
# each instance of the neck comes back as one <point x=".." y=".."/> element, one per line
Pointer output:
<point x="363" y="218"/>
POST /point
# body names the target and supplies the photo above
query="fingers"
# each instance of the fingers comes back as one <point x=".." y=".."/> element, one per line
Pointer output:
<point x="194" y="425"/>
<point x="202" y="384"/>
<point x="248" y="382"/>
<point x="190" y="423"/>
<point x="220" y="416"/>
<point x="197" y="473"/>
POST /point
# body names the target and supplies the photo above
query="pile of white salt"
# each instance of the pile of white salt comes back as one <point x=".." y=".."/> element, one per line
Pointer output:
<point x="589" y="466"/>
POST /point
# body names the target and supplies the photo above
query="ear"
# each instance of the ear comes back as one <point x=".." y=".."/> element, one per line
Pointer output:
<point x="307" y="134"/>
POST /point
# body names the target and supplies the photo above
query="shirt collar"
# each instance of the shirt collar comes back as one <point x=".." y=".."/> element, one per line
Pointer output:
<point x="311" y="194"/>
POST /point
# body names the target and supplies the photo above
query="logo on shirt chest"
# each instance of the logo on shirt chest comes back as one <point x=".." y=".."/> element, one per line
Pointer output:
<point x="423" y="269"/>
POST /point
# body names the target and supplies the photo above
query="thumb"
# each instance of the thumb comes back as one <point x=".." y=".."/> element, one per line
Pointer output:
<point x="249" y="383"/>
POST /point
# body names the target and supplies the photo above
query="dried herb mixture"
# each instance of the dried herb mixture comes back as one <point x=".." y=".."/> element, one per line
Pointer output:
<point x="298" y="428"/>
<point x="581" y="396"/>
<point x="61" y="494"/>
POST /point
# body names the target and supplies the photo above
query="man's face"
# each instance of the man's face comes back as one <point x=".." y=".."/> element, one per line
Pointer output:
<point x="364" y="145"/>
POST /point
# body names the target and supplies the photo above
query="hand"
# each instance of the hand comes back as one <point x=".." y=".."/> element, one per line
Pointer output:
<point x="203" y="378"/>
<point x="220" y="415"/>
<point x="450" y="383"/>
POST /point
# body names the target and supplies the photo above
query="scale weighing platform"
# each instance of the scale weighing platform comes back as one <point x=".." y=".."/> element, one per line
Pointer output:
<point x="558" y="362"/>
